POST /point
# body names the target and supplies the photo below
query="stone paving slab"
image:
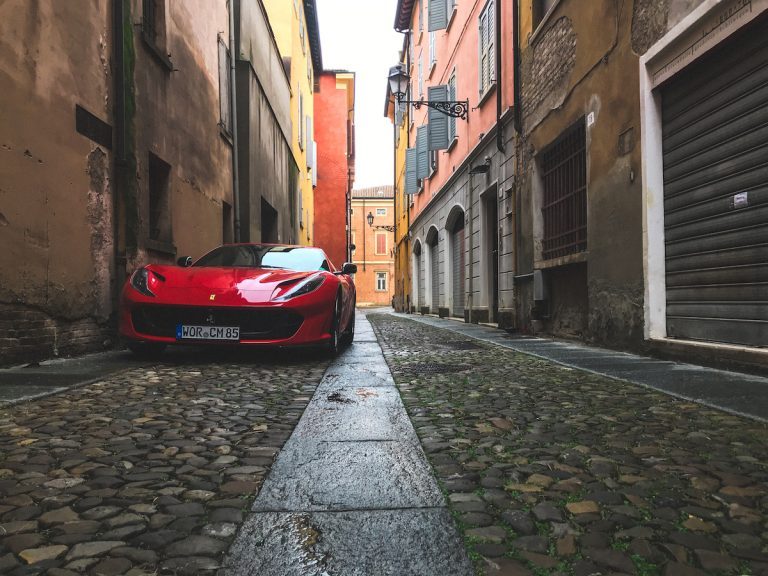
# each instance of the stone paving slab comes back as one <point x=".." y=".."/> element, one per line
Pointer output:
<point x="355" y="543"/>
<point x="349" y="476"/>
<point x="551" y="470"/>
<point x="356" y="414"/>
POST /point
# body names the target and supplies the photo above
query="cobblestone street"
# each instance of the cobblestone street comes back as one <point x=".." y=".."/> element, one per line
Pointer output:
<point x="148" y="471"/>
<point x="546" y="470"/>
<point x="550" y="470"/>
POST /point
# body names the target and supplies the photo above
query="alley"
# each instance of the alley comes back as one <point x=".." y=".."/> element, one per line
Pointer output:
<point x="278" y="464"/>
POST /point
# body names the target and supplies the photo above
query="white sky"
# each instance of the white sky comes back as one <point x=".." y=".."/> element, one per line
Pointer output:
<point x="359" y="35"/>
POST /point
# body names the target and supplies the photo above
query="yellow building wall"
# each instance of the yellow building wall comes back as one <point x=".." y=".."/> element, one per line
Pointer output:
<point x="289" y="25"/>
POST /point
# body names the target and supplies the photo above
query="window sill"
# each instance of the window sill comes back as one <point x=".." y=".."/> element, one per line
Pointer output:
<point x="226" y="135"/>
<point x="432" y="67"/>
<point x="576" y="258"/>
<point x="451" y="18"/>
<point x="452" y="144"/>
<point x="542" y="24"/>
<point x="163" y="59"/>
<point x="486" y="95"/>
<point x="160" y="246"/>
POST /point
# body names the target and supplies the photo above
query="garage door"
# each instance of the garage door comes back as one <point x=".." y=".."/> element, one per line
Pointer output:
<point x="715" y="137"/>
<point x="422" y="289"/>
<point x="435" y="260"/>
<point x="457" y="252"/>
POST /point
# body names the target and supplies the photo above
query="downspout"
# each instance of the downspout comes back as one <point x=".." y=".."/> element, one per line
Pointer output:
<point x="119" y="167"/>
<point x="470" y="298"/>
<point x="499" y="80"/>
<point x="517" y="106"/>
<point x="394" y="189"/>
<point x="233" y="50"/>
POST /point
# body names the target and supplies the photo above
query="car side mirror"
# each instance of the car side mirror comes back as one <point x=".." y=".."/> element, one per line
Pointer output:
<point x="349" y="268"/>
<point x="184" y="261"/>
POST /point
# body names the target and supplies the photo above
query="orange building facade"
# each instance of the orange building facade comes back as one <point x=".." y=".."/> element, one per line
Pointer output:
<point x="372" y="220"/>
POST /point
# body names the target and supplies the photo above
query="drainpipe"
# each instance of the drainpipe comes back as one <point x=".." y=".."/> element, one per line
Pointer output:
<point x="394" y="189"/>
<point x="118" y="38"/>
<point x="233" y="50"/>
<point x="518" y="112"/>
<point x="499" y="82"/>
<point x="470" y="297"/>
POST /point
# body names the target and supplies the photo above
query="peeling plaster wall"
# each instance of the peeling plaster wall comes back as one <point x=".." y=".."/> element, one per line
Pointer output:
<point x="55" y="191"/>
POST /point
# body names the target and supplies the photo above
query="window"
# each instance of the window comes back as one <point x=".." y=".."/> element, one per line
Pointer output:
<point x="153" y="31"/>
<point x="564" y="206"/>
<point x="432" y="53"/>
<point x="487" y="34"/>
<point x="301" y="117"/>
<point x="421" y="77"/>
<point x="381" y="243"/>
<point x="381" y="281"/>
<point x="225" y="83"/>
<point x="432" y="165"/>
<point x="159" y="200"/>
<point x="540" y="9"/>
<point x="452" y="96"/>
<point x="301" y="34"/>
<point x="381" y="211"/>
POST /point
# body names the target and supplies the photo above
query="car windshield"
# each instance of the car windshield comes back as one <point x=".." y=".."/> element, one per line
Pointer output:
<point x="265" y="256"/>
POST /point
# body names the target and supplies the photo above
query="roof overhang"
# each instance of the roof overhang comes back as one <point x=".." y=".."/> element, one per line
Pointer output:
<point x="403" y="15"/>
<point x="313" y="31"/>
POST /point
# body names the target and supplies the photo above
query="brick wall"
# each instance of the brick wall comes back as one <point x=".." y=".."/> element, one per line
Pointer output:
<point x="28" y="335"/>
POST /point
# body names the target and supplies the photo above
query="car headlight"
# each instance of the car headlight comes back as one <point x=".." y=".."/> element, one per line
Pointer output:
<point x="304" y="287"/>
<point x="141" y="281"/>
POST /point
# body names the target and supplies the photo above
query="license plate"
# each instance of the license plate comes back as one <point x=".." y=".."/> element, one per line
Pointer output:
<point x="207" y="332"/>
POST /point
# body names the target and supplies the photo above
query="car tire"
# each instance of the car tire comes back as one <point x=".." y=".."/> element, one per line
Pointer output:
<point x="349" y="333"/>
<point x="146" y="350"/>
<point x="334" y="344"/>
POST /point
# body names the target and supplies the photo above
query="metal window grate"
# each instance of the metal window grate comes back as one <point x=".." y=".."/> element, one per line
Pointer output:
<point x="564" y="210"/>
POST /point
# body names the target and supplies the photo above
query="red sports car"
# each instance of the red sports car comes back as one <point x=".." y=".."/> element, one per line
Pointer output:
<point x="243" y="294"/>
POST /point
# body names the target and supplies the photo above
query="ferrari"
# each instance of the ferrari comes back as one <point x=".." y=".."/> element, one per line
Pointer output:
<point x="243" y="295"/>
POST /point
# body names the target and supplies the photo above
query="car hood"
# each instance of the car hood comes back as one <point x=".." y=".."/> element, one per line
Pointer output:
<point x="223" y="286"/>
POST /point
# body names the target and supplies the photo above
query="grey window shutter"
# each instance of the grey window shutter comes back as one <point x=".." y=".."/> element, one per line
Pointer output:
<point x="438" y="15"/>
<point x="423" y="152"/>
<point x="438" y="122"/>
<point x="411" y="165"/>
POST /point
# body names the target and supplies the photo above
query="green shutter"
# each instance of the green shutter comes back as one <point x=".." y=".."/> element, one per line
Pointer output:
<point x="422" y="151"/>
<point x="411" y="166"/>
<point x="438" y="121"/>
<point x="438" y="15"/>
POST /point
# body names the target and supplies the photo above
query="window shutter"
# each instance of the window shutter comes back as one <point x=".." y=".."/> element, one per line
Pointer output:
<point x="411" y="165"/>
<point x="310" y="165"/>
<point x="314" y="163"/>
<point x="451" y="120"/>
<point x="438" y="122"/>
<point x="422" y="149"/>
<point x="438" y="15"/>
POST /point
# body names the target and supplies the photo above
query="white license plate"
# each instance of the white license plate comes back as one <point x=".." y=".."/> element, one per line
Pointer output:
<point x="207" y="332"/>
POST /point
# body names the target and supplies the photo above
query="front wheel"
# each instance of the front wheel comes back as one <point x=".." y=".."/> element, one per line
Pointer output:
<point x="349" y="333"/>
<point x="334" y="344"/>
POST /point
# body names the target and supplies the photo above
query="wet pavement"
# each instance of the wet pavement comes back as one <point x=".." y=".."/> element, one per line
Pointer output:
<point x="351" y="493"/>
<point x="148" y="470"/>
<point x="735" y="392"/>
<point x="553" y="470"/>
<point x="278" y="463"/>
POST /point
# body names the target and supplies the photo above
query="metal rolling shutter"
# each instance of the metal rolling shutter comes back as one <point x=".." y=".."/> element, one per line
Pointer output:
<point x="457" y="250"/>
<point x="715" y="136"/>
<point x="435" y="259"/>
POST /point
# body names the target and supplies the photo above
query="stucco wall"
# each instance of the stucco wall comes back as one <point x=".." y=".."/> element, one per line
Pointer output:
<point x="55" y="191"/>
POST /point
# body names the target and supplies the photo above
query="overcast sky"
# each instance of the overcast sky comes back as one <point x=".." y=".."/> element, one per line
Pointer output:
<point x="358" y="35"/>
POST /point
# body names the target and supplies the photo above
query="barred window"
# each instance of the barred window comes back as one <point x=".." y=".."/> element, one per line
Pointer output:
<point x="564" y="207"/>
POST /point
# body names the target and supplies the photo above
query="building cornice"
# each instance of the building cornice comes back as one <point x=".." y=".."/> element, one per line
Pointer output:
<point x="313" y="31"/>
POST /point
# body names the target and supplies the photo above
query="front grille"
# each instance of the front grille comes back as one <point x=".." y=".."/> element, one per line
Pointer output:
<point x="254" y="323"/>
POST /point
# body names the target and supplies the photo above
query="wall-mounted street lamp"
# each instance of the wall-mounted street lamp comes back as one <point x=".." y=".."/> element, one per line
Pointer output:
<point x="398" y="85"/>
<point x="378" y="227"/>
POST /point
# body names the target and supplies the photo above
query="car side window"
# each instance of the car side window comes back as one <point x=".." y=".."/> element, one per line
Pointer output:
<point x="325" y="266"/>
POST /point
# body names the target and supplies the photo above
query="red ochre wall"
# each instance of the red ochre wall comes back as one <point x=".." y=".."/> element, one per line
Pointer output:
<point x="331" y="114"/>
